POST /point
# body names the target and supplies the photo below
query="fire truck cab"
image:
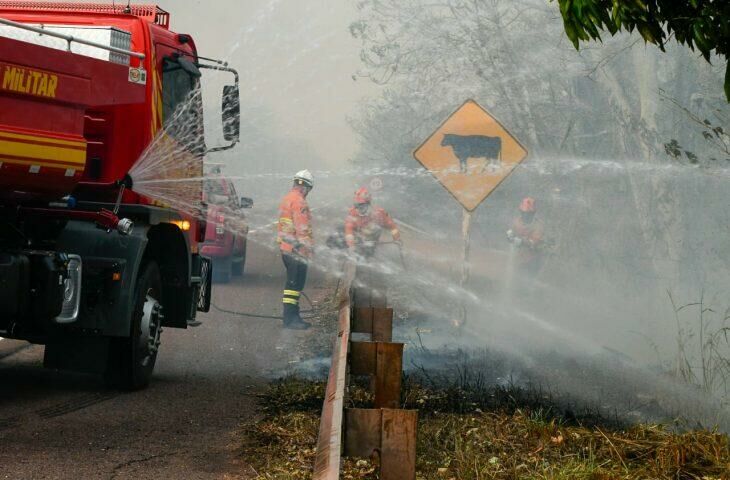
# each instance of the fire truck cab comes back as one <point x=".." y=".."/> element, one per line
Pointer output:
<point x="89" y="267"/>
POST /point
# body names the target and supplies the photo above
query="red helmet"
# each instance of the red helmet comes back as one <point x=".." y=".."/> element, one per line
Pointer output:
<point x="527" y="205"/>
<point x="362" y="196"/>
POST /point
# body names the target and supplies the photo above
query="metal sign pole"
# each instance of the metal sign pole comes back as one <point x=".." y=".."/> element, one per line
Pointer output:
<point x="466" y="236"/>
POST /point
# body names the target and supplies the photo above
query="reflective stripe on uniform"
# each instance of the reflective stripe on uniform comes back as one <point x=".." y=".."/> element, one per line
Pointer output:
<point x="291" y="293"/>
<point x="291" y="301"/>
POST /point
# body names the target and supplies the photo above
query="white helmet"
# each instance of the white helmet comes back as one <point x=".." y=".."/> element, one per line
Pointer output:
<point x="304" y="177"/>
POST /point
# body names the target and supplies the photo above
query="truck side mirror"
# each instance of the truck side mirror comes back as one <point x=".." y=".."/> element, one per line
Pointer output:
<point x="246" y="202"/>
<point x="231" y="113"/>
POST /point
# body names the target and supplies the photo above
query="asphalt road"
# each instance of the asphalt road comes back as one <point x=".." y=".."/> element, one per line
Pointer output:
<point x="185" y="425"/>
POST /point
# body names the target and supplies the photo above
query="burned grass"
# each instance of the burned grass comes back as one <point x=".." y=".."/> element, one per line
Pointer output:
<point x="467" y="434"/>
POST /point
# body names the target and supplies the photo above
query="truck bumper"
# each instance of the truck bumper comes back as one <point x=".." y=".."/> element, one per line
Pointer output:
<point x="215" y="250"/>
<point x="40" y="289"/>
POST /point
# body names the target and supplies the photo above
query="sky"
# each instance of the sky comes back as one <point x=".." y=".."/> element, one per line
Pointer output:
<point x="296" y="59"/>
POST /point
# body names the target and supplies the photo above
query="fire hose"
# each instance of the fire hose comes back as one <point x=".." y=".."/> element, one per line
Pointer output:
<point x="311" y="310"/>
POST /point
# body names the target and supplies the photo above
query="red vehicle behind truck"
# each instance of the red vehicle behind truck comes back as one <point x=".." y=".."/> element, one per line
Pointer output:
<point x="227" y="230"/>
<point x="88" y="267"/>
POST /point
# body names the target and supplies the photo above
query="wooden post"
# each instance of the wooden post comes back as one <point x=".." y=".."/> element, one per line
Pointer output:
<point x="383" y="362"/>
<point x="384" y="434"/>
<point x="370" y="289"/>
<point x="374" y="321"/>
<point x="382" y="325"/>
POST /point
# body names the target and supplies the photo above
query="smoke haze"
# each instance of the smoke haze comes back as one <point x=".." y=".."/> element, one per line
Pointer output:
<point x="635" y="236"/>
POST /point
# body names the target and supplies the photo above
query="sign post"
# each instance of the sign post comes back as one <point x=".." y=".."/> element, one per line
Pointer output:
<point x="466" y="235"/>
<point x="470" y="154"/>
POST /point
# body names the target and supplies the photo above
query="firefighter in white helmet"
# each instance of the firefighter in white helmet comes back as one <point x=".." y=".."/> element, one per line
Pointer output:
<point x="296" y="245"/>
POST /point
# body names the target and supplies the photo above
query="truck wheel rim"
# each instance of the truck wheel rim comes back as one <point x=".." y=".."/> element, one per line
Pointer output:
<point x="150" y="330"/>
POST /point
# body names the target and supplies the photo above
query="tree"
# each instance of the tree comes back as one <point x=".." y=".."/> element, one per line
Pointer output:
<point x="715" y="136"/>
<point x="593" y="121"/>
<point x="699" y="24"/>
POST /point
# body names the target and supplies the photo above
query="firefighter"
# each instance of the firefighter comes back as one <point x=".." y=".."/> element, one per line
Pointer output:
<point x="296" y="245"/>
<point x="365" y="223"/>
<point x="526" y="234"/>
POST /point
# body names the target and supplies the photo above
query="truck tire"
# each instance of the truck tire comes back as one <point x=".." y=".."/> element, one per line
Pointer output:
<point x="133" y="358"/>
<point x="238" y="267"/>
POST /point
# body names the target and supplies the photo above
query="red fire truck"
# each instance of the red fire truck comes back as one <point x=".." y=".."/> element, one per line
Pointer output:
<point x="89" y="267"/>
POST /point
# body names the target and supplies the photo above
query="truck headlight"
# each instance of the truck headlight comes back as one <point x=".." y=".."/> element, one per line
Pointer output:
<point x="71" y="291"/>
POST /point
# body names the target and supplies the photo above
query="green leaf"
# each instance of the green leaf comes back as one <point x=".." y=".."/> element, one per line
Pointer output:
<point x="697" y="24"/>
<point x="646" y="32"/>
<point x="698" y="33"/>
<point x="673" y="148"/>
<point x="572" y="34"/>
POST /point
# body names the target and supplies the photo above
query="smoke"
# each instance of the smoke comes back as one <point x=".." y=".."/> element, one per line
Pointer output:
<point x="296" y="61"/>
<point x="632" y="234"/>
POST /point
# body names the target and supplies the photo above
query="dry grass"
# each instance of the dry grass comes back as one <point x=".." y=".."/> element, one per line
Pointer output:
<point x="519" y="445"/>
<point x="511" y="443"/>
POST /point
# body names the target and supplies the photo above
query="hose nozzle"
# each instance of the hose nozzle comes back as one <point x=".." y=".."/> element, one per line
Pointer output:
<point x="125" y="181"/>
<point x="125" y="226"/>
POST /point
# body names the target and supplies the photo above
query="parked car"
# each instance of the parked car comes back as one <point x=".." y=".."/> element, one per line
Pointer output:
<point x="226" y="231"/>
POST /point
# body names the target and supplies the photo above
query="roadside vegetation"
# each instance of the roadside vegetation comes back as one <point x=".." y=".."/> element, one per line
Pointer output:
<point x="703" y="348"/>
<point x="476" y="432"/>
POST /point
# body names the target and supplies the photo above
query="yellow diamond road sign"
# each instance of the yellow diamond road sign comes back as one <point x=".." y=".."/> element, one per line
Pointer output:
<point x="470" y="154"/>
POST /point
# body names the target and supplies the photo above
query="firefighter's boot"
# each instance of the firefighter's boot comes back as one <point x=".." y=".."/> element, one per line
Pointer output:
<point x="292" y="320"/>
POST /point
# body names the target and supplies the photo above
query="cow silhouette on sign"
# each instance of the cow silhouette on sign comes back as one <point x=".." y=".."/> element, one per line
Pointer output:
<point x="474" y="146"/>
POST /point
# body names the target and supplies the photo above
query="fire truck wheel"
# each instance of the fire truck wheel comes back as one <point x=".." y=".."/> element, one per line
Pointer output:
<point x="136" y="355"/>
